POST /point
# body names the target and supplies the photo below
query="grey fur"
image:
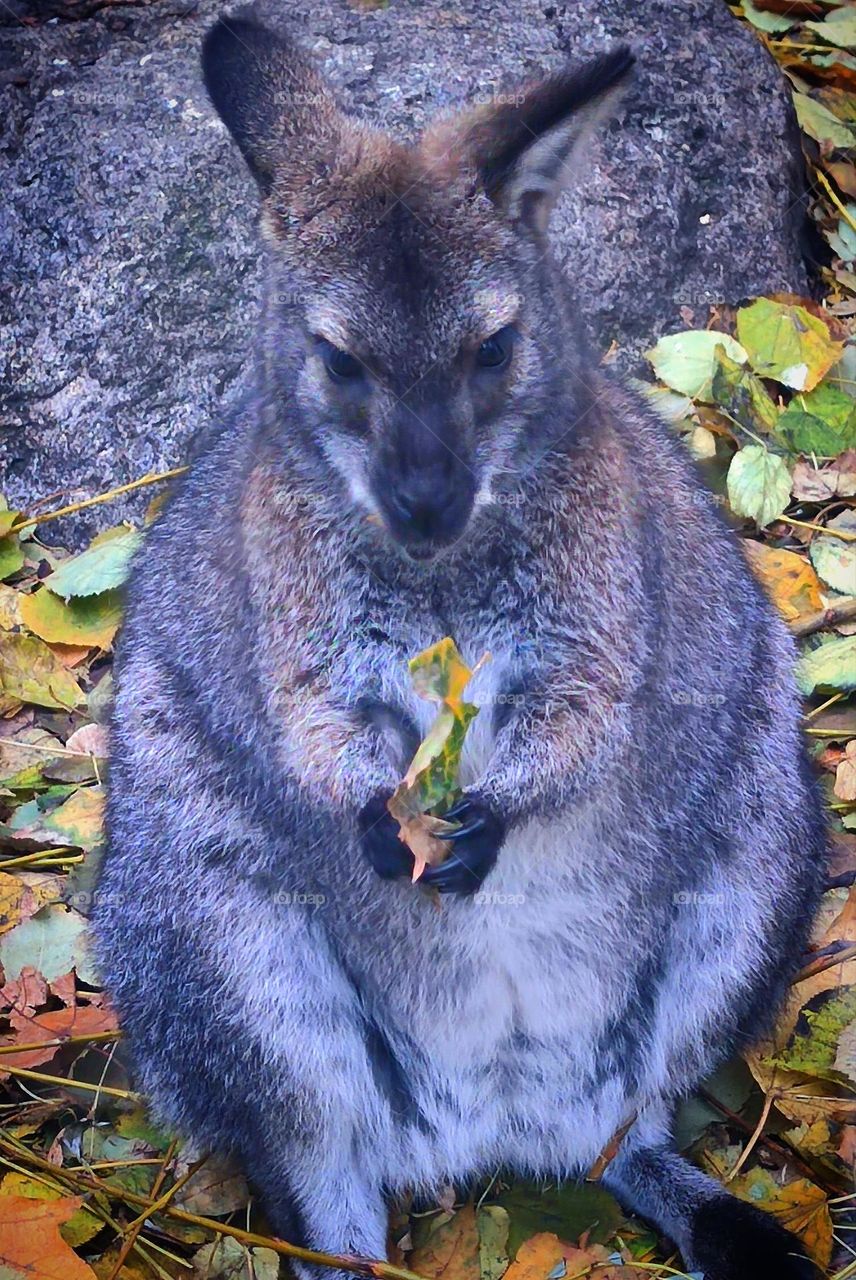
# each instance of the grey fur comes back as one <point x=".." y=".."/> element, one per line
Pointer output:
<point x="640" y="734"/>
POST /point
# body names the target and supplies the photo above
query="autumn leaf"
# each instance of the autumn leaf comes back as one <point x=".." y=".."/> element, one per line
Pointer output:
<point x="30" y="672"/>
<point x="448" y="1248"/>
<point x="787" y="343"/>
<point x="30" y="1242"/>
<point x="687" y="362"/>
<point x="83" y="621"/>
<point x="788" y="579"/>
<point x="440" y="675"/>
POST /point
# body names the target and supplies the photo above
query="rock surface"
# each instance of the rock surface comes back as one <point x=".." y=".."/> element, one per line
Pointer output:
<point x="130" y="264"/>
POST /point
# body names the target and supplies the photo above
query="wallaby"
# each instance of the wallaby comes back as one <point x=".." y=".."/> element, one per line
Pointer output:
<point x="429" y="451"/>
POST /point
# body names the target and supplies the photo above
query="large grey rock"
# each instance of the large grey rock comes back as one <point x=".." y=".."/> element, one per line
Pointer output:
<point x="127" y="238"/>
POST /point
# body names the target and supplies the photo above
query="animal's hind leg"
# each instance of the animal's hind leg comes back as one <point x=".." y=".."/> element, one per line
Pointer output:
<point x="322" y="1201"/>
<point x="718" y="1235"/>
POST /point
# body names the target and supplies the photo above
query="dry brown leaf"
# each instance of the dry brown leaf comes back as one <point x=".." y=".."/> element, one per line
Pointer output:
<point x="845" y="773"/>
<point x="451" y="1250"/>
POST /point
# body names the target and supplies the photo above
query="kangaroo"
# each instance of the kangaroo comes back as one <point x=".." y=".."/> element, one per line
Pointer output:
<point x="428" y="450"/>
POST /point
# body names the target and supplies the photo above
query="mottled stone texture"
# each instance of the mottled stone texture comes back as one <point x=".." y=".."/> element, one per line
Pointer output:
<point x="129" y="262"/>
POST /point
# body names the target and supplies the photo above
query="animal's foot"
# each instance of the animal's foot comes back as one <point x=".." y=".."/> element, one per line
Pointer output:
<point x="733" y="1241"/>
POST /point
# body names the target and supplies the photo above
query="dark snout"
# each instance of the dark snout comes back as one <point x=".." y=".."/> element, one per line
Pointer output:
<point x="423" y="488"/>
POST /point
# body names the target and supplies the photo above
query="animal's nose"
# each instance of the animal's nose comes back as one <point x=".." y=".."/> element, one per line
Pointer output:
<point x="422" y="505"/>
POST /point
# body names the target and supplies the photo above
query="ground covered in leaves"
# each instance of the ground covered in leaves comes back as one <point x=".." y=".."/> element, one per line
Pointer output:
<point x="765" y="397"/>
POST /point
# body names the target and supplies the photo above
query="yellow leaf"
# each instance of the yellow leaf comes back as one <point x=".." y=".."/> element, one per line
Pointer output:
<point x="11" y="894"/>
<point x="789" y="579"/>
<point x="440" y="675"/>
<point x="81" y="621"/>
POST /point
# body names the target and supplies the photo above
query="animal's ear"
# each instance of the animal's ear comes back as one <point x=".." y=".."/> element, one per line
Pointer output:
<point x="269" y="96"/>
<point x="524" y="147"/>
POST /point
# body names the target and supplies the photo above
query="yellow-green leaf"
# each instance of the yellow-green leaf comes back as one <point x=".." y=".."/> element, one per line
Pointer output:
<point x="787" y="343"/>
<point x="759" y="484"/>
<point x="82" y="620"/>
<point x="31" y="672"/>
<point x="686" y="361"/>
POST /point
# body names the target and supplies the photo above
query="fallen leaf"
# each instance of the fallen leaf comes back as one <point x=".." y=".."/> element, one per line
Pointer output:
<point x="52" y="942"/>
<point x="788" y="579"/>
<point x="30" y="672"/>
<point x="80" y="1227"/>
<point x="845" y="774"/>
<point x="787" y="343"/>
<point x="83" y="621"/>
<point x="833" y="558"/>
<point x="687" y="361"/>
<point x="759" y="484"/>
<point x="30" y="1242"/>
<point x="832" y="665"/>
<point x="448" y="1247"/>
<point x="102" y="567"/>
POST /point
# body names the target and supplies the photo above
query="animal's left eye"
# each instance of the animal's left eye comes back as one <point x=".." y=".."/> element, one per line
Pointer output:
<point x="340" y="365"/>
<point x="495" y="351"/>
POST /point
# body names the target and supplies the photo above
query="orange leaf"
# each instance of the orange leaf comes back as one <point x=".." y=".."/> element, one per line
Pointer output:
<point x="451" y="1250"/>
<point x="789" y="579"/>
<point x="30" y="1242"/>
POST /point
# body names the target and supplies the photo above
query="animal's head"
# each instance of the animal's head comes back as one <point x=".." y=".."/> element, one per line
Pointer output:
<point x="413" y="318"/>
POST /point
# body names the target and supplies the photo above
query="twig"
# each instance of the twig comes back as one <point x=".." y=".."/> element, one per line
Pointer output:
<point x="779" y="1148"/>
<point x="342" y="1262"/>
<point x="843" y="534"/>
<point x="842" y="611"/>
<point x="135" y="1227"/>
<point x="840" y="206"/>
<point x="60" y="1042"/>
<point x="152" y="478"/>
<point x="821" y="963"/>
<point x="56" y="856"/>
<point x="769" y="1099"/>
<point x="68" y="1083"/>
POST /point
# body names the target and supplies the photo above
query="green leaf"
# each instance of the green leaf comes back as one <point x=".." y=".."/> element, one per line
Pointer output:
<point x="759" y="484"/>
<point x="100" y="568"/>
<point x="819" y="123"/>
<point x="31" y="672"/>
<point x="832" y="665"/>
<point x="85" y="620"/>
<point x="787" y="343"/>
<point x="568" y="1211"/>
<point x="686" y="361"/>
<point x="814" y="1045"/>
<point x="11" y="556"/>
<point x="737" y="390"/>
<point x="838" y="28"/>
<point x="822" y="421"/>
<point x="53" y="942"/>
<point x="834" y="559"/>
<point x="764" y="21"/>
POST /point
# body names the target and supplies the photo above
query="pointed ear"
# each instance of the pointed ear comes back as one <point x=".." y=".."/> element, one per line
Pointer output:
<point x="524" y="149"/>
<point x="269" y="96"/>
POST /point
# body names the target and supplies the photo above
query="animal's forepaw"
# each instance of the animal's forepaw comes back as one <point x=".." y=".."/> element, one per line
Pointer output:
<point x="379" y="840"/>
<point x="733" y="1241"/>
<point x="475" y="846"/>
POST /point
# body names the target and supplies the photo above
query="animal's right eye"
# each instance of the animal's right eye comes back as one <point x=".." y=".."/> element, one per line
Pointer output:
<point x="341" y="366"/>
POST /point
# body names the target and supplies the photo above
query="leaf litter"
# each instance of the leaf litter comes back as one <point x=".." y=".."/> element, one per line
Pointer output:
<point x="764" y="397"/>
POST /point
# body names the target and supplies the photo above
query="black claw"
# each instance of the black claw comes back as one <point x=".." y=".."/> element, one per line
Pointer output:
<point x="380" y="843"/>
<point x="457" y="809"/>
